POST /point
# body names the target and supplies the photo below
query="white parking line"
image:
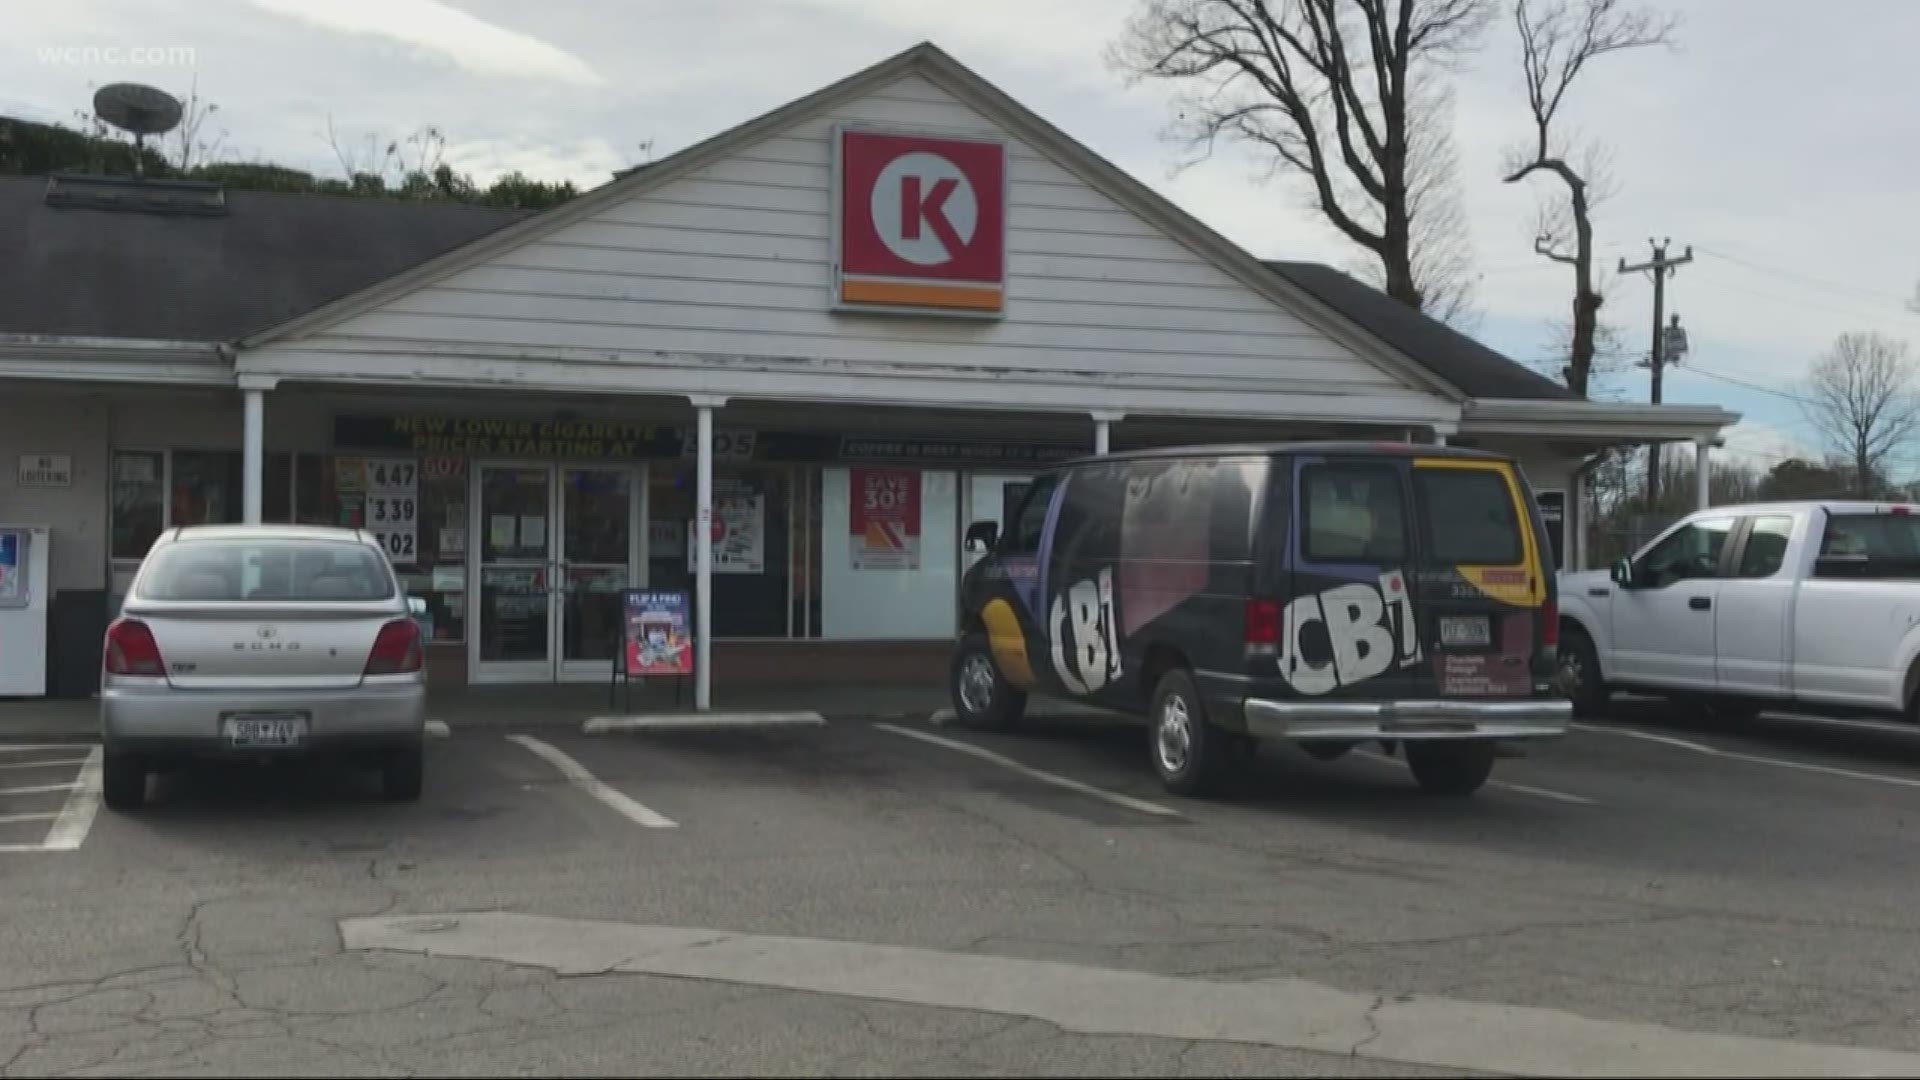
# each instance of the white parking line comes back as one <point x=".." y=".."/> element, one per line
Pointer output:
<point x="34" y="748"/>
<point x="578" y="775"/>
<point x="1755" y="759"/>
<point x="37" y="789"/>
<point x="42" y="764"/>
<point x="1506" y="785"/>
<point x="76" y="817"/>
<point x="8" y="819"/>
<point x="981" y="752"/>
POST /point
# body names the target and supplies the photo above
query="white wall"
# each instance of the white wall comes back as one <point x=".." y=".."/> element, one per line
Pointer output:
<point x="733" y="260"/>
<point x="36" y="421"/>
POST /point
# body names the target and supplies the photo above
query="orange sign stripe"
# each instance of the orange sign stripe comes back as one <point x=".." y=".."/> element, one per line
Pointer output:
<point x="973" y="297"/>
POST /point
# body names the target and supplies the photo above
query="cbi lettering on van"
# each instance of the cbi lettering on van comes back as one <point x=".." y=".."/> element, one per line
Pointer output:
<point x="1085" y="635"/>
<point x="1369" y="629"/>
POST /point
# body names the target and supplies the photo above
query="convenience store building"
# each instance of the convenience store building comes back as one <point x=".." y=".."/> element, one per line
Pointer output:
<point x="866" y="318"/>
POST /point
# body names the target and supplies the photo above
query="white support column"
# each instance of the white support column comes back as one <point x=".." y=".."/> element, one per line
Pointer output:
<point x="703" y="556"/>
<point x="1702" y="474"/>
<point x="1103" y="431"/>
<point x="253" y="453"/>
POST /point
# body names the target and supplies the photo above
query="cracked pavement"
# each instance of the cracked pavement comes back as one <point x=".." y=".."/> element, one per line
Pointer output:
<point x="200" y="936"/>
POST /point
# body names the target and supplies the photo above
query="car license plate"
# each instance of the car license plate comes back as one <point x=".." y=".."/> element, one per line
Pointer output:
<point x="1465" y="631"/>
<point x="266" y="731"/>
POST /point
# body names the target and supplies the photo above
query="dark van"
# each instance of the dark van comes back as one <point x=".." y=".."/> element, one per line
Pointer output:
<point x="1324" y="593"/>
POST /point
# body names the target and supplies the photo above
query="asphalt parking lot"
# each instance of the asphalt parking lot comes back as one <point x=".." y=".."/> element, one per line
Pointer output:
<point x="1712" y="897"/>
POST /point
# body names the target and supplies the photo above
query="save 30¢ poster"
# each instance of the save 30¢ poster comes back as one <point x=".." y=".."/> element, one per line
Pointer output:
<point x="885" y="519"/>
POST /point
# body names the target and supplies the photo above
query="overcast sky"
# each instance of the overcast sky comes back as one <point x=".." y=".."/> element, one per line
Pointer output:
<point x="1781" y="145"/>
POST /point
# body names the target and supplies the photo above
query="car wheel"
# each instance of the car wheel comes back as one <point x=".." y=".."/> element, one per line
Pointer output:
<point x="1451" y="768"/>
<point x="1188" y="753"/>
<point x="1579" y="675"/>
<point x="982" y="697"/>
<point x="123" y="781"/>
<point x="403" y="774"/>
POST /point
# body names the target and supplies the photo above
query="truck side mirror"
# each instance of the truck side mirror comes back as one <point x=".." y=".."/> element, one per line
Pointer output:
<point x="1623" y="573"/>
<point x="982" y="535"/>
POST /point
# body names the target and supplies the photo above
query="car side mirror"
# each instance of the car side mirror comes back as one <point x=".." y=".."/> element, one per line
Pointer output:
<point x="1623" y="574"/>
<point x="982" y="535"/>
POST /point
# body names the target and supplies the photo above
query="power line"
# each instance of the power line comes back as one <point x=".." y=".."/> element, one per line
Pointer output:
<point x="1698" y="370"/>
<point x="1711" y="281"/>
<point x="1852" y="290"/>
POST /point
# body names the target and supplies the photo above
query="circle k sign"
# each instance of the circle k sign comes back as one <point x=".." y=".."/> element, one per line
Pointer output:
<point x="922" y="222"/>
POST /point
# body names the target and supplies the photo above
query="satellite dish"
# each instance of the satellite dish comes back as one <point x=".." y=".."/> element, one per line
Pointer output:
<point x="139" y="110"/>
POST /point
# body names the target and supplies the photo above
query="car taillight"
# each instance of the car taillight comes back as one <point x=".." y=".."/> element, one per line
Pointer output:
<point x="397" y="649"/>
<point x="1263" y="626"/>
<point x="131" y="649"/>
<point x="1550" y="624"/>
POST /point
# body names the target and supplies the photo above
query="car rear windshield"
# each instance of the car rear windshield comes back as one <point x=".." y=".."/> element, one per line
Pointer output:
<point x="266" y="570"/>
<point x="1870" y="546"/>
<point x="1469" y="517"/>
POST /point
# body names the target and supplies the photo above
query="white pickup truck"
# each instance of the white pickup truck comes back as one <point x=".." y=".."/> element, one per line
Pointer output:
<point x="1812" y="605"/>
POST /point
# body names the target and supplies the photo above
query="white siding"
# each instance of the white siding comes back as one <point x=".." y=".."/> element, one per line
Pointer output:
<point x="731" y="261"/>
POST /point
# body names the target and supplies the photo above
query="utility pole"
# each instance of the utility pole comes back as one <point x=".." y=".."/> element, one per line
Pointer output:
<point x="1662" y="268"/>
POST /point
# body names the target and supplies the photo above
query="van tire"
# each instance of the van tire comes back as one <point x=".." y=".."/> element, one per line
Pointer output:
<point x="982" y="697"/>
<point x="1451" y="768"/>
<point x="1189" y="753"/>
<point x="123" y="780"/>
<point x="403" y="774"/>
<point x="1579" y="677"/>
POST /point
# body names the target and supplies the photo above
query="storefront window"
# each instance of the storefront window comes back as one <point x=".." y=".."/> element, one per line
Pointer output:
<point x="889" y="553"/>
<point x="206" y="488"/>
<point x="139" y="501"/>
<point x="753" y="568"/>
<point x="418" y="507"/>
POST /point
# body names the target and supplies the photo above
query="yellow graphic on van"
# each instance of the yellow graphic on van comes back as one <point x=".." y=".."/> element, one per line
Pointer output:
<point x="1008" y="642"/>
<point x="1521" y="583"/>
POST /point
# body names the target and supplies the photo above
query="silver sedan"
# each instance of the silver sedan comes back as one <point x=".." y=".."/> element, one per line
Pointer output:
<point x="262" y="642"/>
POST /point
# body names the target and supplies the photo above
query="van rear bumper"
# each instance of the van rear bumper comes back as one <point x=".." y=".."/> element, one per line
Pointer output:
<point x="1533" y="718"/>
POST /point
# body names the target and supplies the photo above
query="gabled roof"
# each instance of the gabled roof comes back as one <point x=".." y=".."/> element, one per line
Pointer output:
<point x="1455" y="357"/>
<point x="931" y="63"/>
<point x="75" y="271"/>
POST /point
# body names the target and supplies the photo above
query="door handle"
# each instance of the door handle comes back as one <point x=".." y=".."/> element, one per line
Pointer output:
<point x="1699" y="603"/>
<point x="1596" y="592"/>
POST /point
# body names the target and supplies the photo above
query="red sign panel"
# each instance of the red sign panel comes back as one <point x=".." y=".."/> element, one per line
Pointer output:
<point x="884" y="523"/>
<point x="922" y="221"/>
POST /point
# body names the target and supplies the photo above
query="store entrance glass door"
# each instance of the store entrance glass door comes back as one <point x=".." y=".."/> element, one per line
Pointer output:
<point x="557" y="544"/>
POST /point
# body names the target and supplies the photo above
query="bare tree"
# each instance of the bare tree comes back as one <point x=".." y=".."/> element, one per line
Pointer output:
<point x="1327" y="88"/>
<point x="1863" y="397"/>
<point x="187" y="147"/>
<point x="1558" y="38"/>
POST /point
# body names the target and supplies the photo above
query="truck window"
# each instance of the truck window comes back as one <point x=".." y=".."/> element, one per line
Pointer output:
<point x="1692" y="552"/>
<point x="1870" y="546"/>
<point x="1469" y="517"/>
<point x="1353" y="512"/>
<point x="1766" y="549"/>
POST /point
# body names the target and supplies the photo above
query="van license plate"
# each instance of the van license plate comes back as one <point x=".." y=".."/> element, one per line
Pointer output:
<point x="266" y="732"/>
<point x="1465" y="631"/>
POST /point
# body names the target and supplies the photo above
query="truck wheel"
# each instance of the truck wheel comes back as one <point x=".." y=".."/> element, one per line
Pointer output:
<point x="403" y="774"/>
<point x="982" y="697"/>
<point x="1451" y="768"/>
<point x="1188" y="753"/>
<point x="1579" y="675"/>
<point x="123" y="781"/>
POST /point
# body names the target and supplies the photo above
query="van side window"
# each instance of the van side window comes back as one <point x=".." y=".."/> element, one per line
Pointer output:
<point x="1469" y="517"/>
<point x="1353" y="512"/>
<point x="1025" y="529"/>
<point x="1086" y="535"/>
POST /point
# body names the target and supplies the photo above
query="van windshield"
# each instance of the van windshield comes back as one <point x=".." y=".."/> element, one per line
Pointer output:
<point x="1469" y="517"/>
